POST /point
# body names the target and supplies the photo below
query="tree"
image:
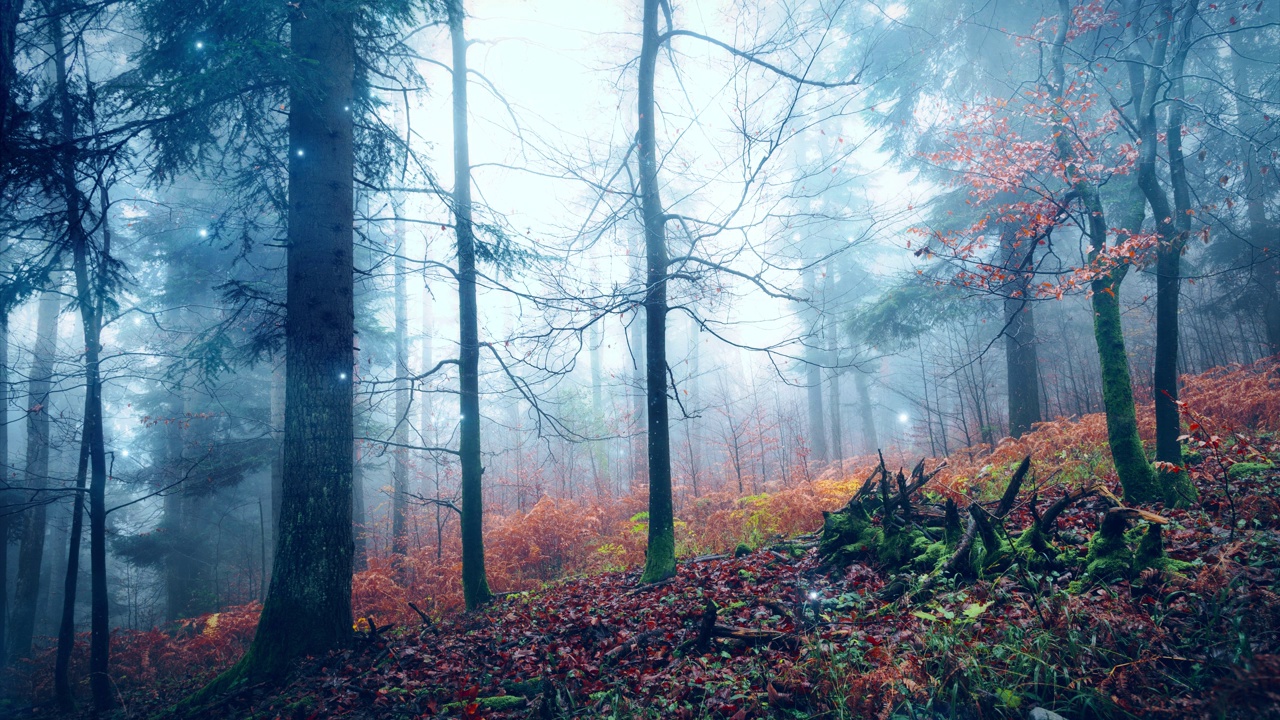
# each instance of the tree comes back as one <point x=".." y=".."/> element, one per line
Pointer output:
<point x="660" y="557"/>
<point x="36" y="478"/>
<point x="475" y="584"/>
<point x="1136" y="475"/>
<point x="308" y="606"/>
<point x="1147" y="76"/>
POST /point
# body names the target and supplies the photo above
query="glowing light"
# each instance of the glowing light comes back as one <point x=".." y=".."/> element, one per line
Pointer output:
<point x="204" y="232"/>
<point x="299" y="153"/>
<point x="342" y="376"/>
<point x="346" y="108"/>
<point x="199" y="45"/>
<point x="124" y="453"/>
<point x="903" y="417"/>
<point x="813" y="594"/>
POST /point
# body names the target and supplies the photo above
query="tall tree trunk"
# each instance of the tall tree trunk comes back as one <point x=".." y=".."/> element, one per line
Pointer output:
<point x="359" y="513"/>
<point x="178" y="563"/>
<point x="1021" y="364"/>
<point x="10" y="13"/>
<point x="692" y="395"/>
<point x="813" y="379"/>
<point x="277" y="403"/>
<point x="26" y="592"/>
<point x="1136" y="475"/>
<point x="475" y="584"/>
<point x="90" y="292"/>
<point x="62" y="691"/>
<point x="600" y="450"/>
<point x="870" y="442"/>
<point x="1177" y="487"/>
<point x="308" y="606"/>
<point x="427" y="421"/>
<point x="6" y="474"/>
<point x="660" y="558"/>
<point x="833" y="386"/>
<point x="400" y="456"/>
<point x="639" y="453"/>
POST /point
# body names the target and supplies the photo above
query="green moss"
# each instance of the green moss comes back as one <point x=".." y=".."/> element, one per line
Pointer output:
<point x="1179" y="490"/>
<point x="741" y="550"/>
<point x="1136" y="474"/>
<point x="899" y="548"/>
<point x="1034" y="548"/>
<point x="497" y="702"/>
<point x="1249" y="468"/>
<point x="1109" y="555"/>
<point x="933" y="557"/>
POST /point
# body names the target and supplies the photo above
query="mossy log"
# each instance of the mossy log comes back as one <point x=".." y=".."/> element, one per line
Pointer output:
<point x="1110" y="557"/>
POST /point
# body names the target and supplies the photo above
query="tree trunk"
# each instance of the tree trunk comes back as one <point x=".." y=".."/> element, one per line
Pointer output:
<point x="833" y="380"/>
<point x="277" y="402"/>
<point x="6" y="474"/>
<point x="600" y="449"/>
<point x="1146" y="91"/>
<point x="89" y="297"/>
<point x="870" y="443"/>
<point x="813" y="380"/>
<point x="639" y="441"/>
<point x="660" y="558"/>
<point x="359" y="513"/>
<point x="178" y="563"/>
<point x="308" y="606"/>
<point x="62" y="691"/>
<point x="400" y="456"/>
<point x="26" y="592"/>
<point x="475" y="584"/>
<point x="1136" y="476"/>
<point x="1021" y="364"/>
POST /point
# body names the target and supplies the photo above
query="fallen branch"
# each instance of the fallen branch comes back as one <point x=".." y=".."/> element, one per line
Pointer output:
<point x="1011" y="490"/>
<point x="953" y="562"/>
<point x="752" y="636"/>
<point x="1050" y="516"/>
<point x="627" y="646"/>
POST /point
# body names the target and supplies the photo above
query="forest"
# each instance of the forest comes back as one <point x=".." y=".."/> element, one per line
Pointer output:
<point x="719" y="359"/>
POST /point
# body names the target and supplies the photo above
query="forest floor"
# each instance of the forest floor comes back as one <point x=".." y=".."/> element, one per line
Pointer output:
<point x="779" y="631"/>
<point x="791" y="637"/>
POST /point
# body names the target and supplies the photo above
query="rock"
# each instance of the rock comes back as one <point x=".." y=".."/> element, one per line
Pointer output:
<point x="1042" y="714"/>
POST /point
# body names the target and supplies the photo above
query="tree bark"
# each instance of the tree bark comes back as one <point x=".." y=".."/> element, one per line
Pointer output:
<point x="90" y="292"/>
<point x="6" y="473"/>
<point x="62" y="691"/>
<point x="475" y="583"/>
<point x="308" y="606"/>
<point x="277" y="403"/>
<point x="1021" y="363"/>
<point x="1136" y="475"/>
<point x="400" y="456"/>
<point x="1169" y="228"/>
<point x="813" y="380"/>
<point x="26" y="592"/>
<point x="660" y="558"/>
<point x="870" y="443"/>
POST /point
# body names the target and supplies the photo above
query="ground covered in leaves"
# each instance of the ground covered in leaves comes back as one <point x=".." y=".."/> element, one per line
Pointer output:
<point x="793" y="638"/>
<point x="777" y="631"/>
